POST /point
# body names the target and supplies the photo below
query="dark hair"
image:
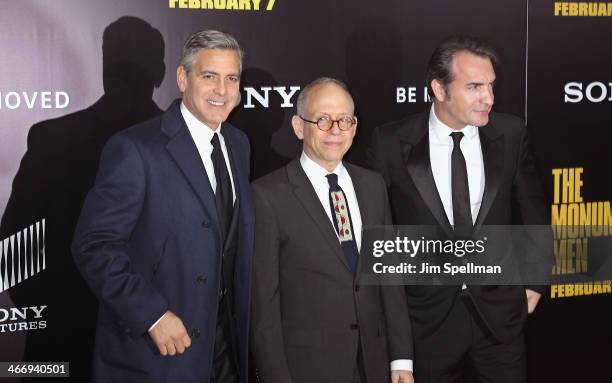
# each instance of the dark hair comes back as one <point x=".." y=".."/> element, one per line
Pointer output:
<point x="439" y="66"/>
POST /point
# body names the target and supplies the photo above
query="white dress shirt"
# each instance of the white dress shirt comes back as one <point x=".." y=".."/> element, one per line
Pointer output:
<point x="440" y="153"/>
<point x="316" y="174"/>
<point x="202" y="134"/>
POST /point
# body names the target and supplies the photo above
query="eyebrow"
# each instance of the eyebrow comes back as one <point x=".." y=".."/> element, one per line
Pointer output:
<point x="206" y="71"/>
<point x="480" y="83"/>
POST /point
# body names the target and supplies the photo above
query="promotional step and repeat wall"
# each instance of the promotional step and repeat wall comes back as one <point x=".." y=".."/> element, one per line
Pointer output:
<point x="73" y="73"/>
<point x="569" y="112"/>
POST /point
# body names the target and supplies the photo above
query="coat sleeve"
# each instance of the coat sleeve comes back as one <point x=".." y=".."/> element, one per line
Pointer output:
<point x="395" y="304"/>
<point x="268" y="345"/>
<point x="101" y="243"/>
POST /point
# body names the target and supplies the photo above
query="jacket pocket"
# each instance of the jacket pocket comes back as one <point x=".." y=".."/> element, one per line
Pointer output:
<point x="159" y="258"/>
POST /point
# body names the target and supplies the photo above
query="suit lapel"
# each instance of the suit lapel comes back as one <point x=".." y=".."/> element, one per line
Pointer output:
<point x="305" y="193"/>
<point x="492" y="144"/>
<point x="361" y="191"/>
<point x="185" y="153"/>
<point x="415" y="154"/>
<point x="236" y="172"/>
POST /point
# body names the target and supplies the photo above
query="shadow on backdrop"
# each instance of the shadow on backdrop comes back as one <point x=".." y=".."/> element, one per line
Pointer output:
<point x="373" y="67"/>
<point x="53" y="179"/>
<point x="260" y="124"/>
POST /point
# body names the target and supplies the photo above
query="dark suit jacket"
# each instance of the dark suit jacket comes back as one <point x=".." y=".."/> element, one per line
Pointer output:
<point x="400" y="151"/>
<point x="148" y="240"/>
<point x="310" y="311"/>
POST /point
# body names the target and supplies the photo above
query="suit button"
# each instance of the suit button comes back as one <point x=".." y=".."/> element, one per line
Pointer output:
<point x="195" y="333"/>
<point x="205" y="224"/>
<point x="201" y="279"/>
<point x="222" y="292"/>
<point x="356" y="288"/>
<point x="354" y="326"/>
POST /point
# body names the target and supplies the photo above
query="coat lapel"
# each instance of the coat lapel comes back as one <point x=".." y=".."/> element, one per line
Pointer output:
<point x="415" y="154"/>
<point x="305" y="193"/>
<point x="185" y="153"/>
<point x="492" y="145"/>
<point x="237" y="178"/>
<point x="361" y="192"/>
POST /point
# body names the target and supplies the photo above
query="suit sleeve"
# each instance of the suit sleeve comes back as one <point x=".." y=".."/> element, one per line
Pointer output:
<point x="538" y="259"/>
<point x="268" y="345"/>
<point x="395" y="304"/>
<point x="101" y="243"/>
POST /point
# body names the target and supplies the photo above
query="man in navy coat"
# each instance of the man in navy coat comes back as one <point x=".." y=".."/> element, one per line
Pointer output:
<point x="166" y="234"/>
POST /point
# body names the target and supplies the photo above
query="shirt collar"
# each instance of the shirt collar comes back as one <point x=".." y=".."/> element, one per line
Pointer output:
<point x="199" y="131"/>
<point x="316" y="171"/>
<point x="441" y="131"/>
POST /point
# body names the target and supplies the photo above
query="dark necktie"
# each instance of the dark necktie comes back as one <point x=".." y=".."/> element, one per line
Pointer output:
<point x="341" y="217"/>
<point x="462" y="216"/>
<point x="223" y="193"/>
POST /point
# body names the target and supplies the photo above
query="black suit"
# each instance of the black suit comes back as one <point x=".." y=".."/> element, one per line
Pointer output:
<point x="400" y="151"/>
<point x="310" y="313"/>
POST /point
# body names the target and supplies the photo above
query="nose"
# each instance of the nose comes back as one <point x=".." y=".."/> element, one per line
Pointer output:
<point x="335" y="128"/>
<point x="487" y="95"/>
<point x="221" y="86"/>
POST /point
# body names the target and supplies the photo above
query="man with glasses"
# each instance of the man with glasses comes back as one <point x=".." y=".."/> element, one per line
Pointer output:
<point x="312" y="321"/>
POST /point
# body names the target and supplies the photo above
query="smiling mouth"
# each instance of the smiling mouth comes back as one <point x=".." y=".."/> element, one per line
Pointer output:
<point x="216" y="103"/>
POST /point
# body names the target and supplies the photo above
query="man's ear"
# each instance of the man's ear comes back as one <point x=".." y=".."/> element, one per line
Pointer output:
<point x="181" y="78"/>
<point x="438" y="89"/>
<point x="298" y="126"/>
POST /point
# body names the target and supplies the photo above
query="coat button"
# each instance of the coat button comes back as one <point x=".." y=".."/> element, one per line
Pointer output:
<point x="354" y="326"/>
<point x="205" y="224"/>
<point x="195" y="333"/>
<point x="356" y="288"/>
<point x="222" y="293"/>
<point x="201" y="279"/>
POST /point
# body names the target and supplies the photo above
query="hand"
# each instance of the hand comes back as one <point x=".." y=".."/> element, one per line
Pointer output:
<point x="533" y="297"/>
<point x="401" y="376"/>
<point x="170" y="335"/>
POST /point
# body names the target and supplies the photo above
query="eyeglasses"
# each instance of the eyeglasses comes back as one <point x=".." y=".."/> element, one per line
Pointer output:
<point x="325" y="123"/>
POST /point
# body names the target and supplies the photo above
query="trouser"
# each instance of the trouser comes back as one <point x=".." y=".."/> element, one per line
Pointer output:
<point x="463" y="349"/>
<point x="225" y="362"/>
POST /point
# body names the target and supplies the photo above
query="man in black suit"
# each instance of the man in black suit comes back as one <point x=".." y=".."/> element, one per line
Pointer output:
<point x="165" y="235"/>
<point x="457" y="167"/>
<point x="313" y="320"/>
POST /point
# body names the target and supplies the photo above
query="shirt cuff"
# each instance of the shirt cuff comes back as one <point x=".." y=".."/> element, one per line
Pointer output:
<point x="160" y="318"/>
<point x="402" y="364"/>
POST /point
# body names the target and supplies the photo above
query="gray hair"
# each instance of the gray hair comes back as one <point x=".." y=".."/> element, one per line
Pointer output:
<point x="208" y="39"/>
<point x="303" y="97"/>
